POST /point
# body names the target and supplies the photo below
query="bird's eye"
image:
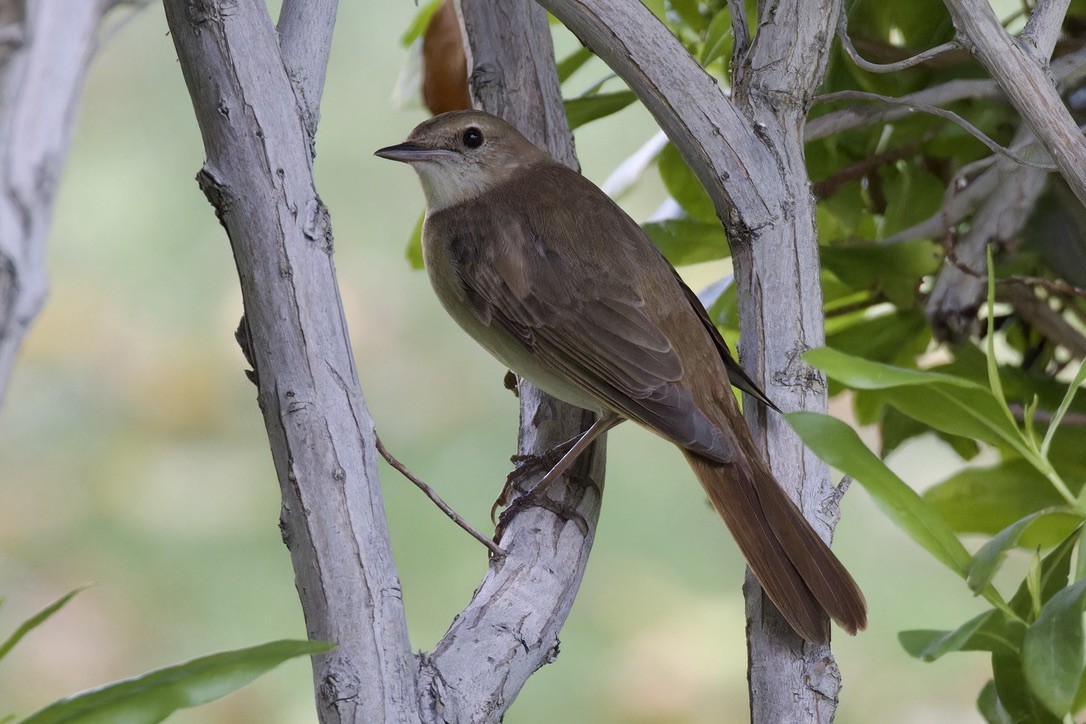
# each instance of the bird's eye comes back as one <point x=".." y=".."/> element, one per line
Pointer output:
<point x="473" y="137"/>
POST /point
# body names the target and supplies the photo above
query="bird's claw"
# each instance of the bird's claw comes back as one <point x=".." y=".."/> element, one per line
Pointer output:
<point x="537" y="499"/>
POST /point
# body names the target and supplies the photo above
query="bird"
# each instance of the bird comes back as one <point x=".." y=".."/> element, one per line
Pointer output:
<point x="556" y="281"/>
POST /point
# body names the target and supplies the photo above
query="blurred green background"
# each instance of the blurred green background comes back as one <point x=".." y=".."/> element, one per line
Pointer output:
<point x="133" y="456"/>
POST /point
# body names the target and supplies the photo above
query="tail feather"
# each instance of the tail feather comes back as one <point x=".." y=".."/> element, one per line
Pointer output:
<point x="795" y="567"/>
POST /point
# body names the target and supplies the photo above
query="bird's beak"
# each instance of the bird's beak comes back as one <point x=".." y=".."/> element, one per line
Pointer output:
<point x="408" y="152"/>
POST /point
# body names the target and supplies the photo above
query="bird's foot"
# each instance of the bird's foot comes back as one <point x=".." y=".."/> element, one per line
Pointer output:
<point x="526" y="466"/>
<point x="533" y="498"/>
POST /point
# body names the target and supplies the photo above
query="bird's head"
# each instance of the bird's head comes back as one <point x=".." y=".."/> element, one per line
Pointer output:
<point x="462" y="154"/>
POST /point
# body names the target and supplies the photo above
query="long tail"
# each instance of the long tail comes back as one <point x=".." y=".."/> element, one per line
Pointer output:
<point x="795" y="567"/>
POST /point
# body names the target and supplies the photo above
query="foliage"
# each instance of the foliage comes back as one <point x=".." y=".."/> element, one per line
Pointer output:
<point x="153" y="696"/>
<point x="989" y="376"/>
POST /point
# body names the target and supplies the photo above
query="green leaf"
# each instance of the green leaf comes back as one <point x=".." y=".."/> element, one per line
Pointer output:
<point x="413" y="251"/>
<point x="897" y="427"/>
<point x="1053" y="658"/>
<point x="990" y="707"/>
<point x="572" y="63"/>
<point x="684" y="186"/>
<point x="685" y="12"/>
<point x="895" y="270"/>
<point x="586" y="109"/>
<point x="1014" y="693"/>
<point x="987" y="500"/>
<point x="420" y="22"/>
<point x="688" y="241"/>
<point x="154" y="696"/>
<point x="912" y="195"/>
<point x="718" y="38"/>
<point x="993" y="631"/>
<point x="36" y="620"/>
<point x="945" y="402"/>
<point x="840" y="446"/>
<point x="862" y="374"/>
<point x="988" y="559"/>
<point x="896" y="337"/>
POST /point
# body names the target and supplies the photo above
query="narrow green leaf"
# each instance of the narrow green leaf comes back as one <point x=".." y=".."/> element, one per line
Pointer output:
<point x="688" y="241"/>
<point x="36" y="620"/>
<point x="413" y="251"/>
<point x="862" y="374"/>
<point x="586" y="109"/>
<point x="1052" y="651"/>
<point x="420" y="22"/>
<point x="1033" y="584"/>
<point x="946" y="402"/>
<point x="1028" y="421"/>
<point x="992" y="630"/>
<point x="154" y="696"/>
<point x="963" y="411"/>
<point x="572" y="63"/>
<point x="1080" y="376"/>
<point x="988" y="559"/>
<point x="840" y="446"/>
<point x="993" y="369"/>
<point x="717" y="38"/>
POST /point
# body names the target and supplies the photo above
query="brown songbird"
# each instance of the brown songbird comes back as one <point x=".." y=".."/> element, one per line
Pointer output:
<point x="548" y="274"/>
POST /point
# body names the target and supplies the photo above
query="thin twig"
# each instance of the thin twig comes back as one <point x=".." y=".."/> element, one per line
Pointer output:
<point x="494" y="548"/>
<point x="850" y="50"/>
<point x="1035" y="311"/>
<point x="1075" y="419"/>
<point x="1055" y="286"/>
<point x="1067" y="70"/>
<point x="864" y="96"/>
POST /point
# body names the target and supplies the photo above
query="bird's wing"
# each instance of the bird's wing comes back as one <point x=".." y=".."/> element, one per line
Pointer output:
<point x="736" y="374"/>
<point x="588" y="324"/>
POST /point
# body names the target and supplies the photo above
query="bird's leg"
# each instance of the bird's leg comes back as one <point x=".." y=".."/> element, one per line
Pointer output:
<point x="579" y="444"/>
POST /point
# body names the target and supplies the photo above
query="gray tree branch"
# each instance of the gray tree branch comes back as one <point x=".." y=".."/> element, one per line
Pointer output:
<point x="781" y="316"/>
<point x="305" y="39"/>
<point x="258" y="176"/>
<point x="956" y="296"/>
<point x="748" y="155"/>
<point x="1023" y="76"/>
<point x="46" y="47"/>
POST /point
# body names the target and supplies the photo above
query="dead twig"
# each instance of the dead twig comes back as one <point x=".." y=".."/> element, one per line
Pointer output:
<point x="495" y="550"/>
